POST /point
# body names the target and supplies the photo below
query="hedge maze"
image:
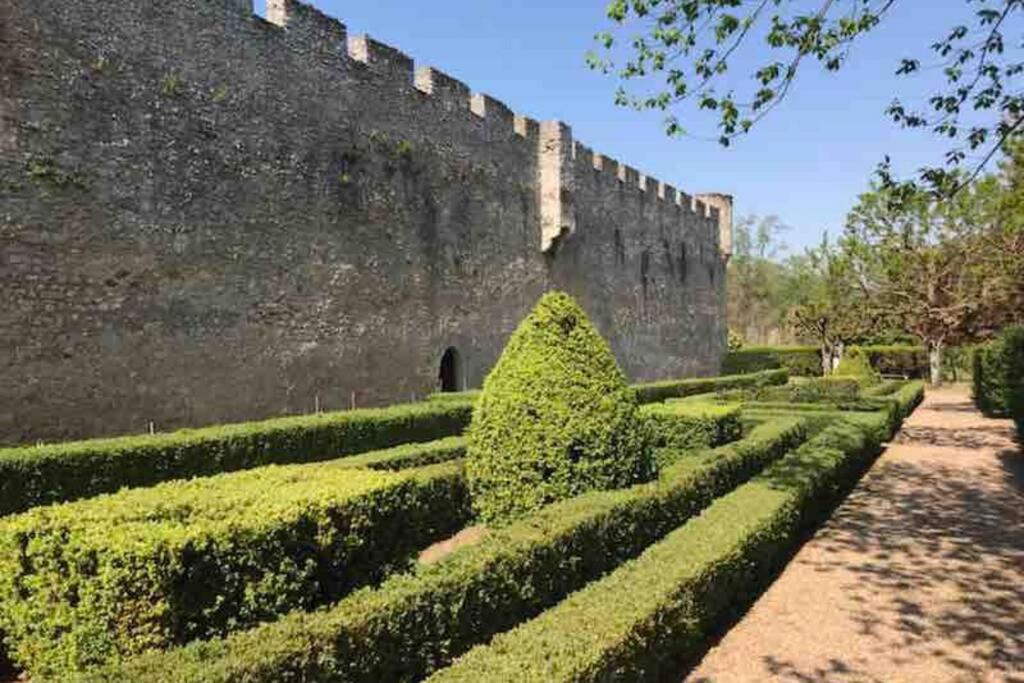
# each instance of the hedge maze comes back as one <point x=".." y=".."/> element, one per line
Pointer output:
<point x="625" y="526"/>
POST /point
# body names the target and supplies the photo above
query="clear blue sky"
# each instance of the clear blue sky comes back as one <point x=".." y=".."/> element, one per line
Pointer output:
<point x="805" y="163"/>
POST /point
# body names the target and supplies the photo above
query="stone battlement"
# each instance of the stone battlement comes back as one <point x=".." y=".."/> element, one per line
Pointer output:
<point x="210" y="216"/>
<point x="309" y="30"/>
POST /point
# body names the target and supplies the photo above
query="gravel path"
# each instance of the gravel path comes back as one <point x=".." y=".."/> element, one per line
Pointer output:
<point x="918" y="577"/>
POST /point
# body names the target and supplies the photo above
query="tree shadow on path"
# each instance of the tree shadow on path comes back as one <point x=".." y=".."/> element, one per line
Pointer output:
<point x="925" y="559"/>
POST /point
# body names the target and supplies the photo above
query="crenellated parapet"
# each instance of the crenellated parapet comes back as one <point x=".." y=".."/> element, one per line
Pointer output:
<point x="560" y="159"/>
<point x="213" y="216"/>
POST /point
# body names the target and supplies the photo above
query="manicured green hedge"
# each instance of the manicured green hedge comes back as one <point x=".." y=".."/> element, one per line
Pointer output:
<point x="655" y="613"/>
<point x="814" y="390"/>
<point x="86" y="582"/>
<point x="895" y="407"/>
<point x="654" y="392"/>
<point x="991" y="389"/>
<point x="680" y="427"/>
<point x="408" y="456"/>
<point x="414" y="624"/>
<point x="685" y="426"/>
<point x="468" y="396"/>
<point x="1013" y="340"/>
<point x="800" y="361"/>
<point x="39" y="475"/>
<point x="805" y="361"/>
<point x="555" y="419"/>
<point x="999" y="376"/>
<point x="906" y="361"/>
<point x="884" y="388"/>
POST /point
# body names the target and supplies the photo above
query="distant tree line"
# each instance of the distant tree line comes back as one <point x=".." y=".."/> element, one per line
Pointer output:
<point x="910" y="265"/>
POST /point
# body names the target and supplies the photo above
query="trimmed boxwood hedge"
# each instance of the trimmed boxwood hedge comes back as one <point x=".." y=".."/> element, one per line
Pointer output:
<point x="990" y="386"/>
<point x="805" y="361"/>
<point x="1013" y="342"/>
<point x="408" y="456"/>
<point x="53" y="473"/>
<point x="999" y="376"/>
<point x="414" y="624"/>
<point x="906" y="361"/>
<point x="39" y="475"/>
<point x="555" y="419"/>
<point x="680" y="427"/>
<point x="895" y="407"/>
<point x="653" y="392"/>
<point x="815" y="390"/>
<point x="86" y="582"/>
<point x="652" y="614"/>
<point x="800" y="361"/>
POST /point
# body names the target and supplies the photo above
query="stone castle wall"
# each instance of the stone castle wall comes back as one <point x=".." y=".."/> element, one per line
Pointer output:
<point x="206" y="216"/>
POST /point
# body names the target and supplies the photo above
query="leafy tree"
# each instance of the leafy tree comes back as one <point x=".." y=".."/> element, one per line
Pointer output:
<point x="826" y="306"/>
<point x="755" y="280"/>
<point x="930" y="263"/>
<point x="675" y="56"/>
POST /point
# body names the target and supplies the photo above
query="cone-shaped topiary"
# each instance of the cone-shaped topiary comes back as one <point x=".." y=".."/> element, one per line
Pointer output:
<point x="855" y="364"/>
<point x="555" y="418"/>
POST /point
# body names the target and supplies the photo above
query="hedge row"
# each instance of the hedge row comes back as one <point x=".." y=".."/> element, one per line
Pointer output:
<point x="87" y="582"/>
<point x="999" y="376"/>
<point x="805" y="361"/>
<point x="407" y="456"/>
<point x="414" y="624"/>
<point x="990" y="380"/>
<point x="654" y="392"/>
<point x="905" y="361"/>
<point x="649" y="616"/>
<point x="893" y="407"/>
<point x="681" y="427"/>
<point x="815" y="390"/>
<point x="800" y="361"/>
<point x="39" y="475"/>
<point x="1013" y="340"/>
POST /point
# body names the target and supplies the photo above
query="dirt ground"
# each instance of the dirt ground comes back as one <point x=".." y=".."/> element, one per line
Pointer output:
<point x="917" y="578"/>
<point x="442" y="549"/>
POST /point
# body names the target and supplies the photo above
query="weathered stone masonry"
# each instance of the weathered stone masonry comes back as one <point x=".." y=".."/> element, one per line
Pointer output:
<point x="206" y="216"/>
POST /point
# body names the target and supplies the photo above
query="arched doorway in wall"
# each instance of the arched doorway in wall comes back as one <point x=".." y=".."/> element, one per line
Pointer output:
<point x="450" y="376"/>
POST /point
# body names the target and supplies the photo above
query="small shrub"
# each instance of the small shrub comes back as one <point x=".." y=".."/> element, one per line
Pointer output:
<point x="855" y="364"/>
<point x="555" y="418"/>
